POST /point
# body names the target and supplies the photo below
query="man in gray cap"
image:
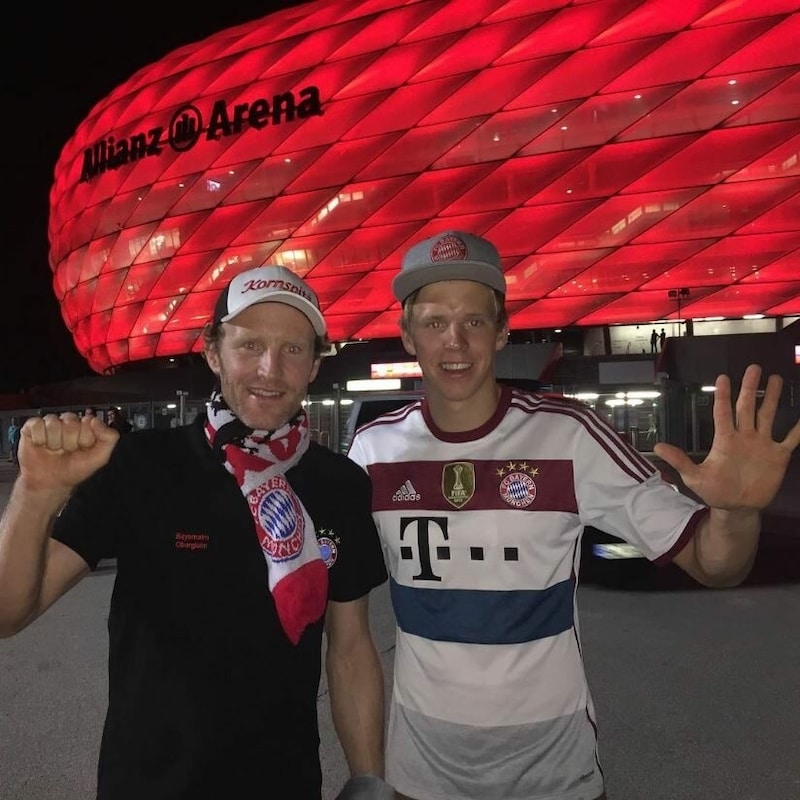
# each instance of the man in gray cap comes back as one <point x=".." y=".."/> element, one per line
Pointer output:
<point x="233" y="548"/>
<point x="490" y="699"/>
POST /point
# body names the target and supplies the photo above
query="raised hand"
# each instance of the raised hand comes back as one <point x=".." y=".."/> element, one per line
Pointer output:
<point x="58" y="452"/>
<point x="745" y="466"/>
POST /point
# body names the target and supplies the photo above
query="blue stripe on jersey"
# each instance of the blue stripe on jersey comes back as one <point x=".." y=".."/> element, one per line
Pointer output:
<point x="481" y="616"/>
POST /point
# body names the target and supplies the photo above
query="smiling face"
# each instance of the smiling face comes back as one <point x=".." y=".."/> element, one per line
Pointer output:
<point x="264" y="359"/>
<point x="453" y="331"/>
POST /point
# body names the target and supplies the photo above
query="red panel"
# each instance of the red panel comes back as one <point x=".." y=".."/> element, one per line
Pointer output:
<point x="106" y="290"/>
<point x="341" y="161"/>
<point x="740" y="299"/>
<point x="714" y="157"/>
<point x="557" y="312"/>
<point x="176" y="343"/>
<point x="180" y="278"/>
<point x="597" y="121"/>
<point x="527" y="229"/>
<point x="487" y="92"/>
<point x="395" y="67"/>
<point x="702" y="105"/>
<point x="515" y="181"/>
<point x="584" y="73"/>
<point x="726" y="261"/>
<point x="618" y="220"/>
<point x="654" y="18"/>
<point x="302" y="254"/>
<point x="123" y="319"/>
<point x="386" y="29"/>
<point x="140" y="348"/>
<point x="454" y="17"/>
<point x="733" y="10"/>
<point x="783" y="217"/>
<point x="283" y="216"/>
<point x="427" y="195"/>
<point x="169" y="236"/>
<point x="384" y="325"/>
<point x="406" y="106"/>
<point x="778" y="103"/>
<point x="139" y="282"/>
<point x="418" y="148"/>
<point x="610" y="170"/>
<point x="777" y="48"/>
<point x="638" y="306"/>
<point x="721" y="210"/>
<point x="372" y="292"/>
<point x="570" y="29"/>
<point x="536" y="275"/>
<point x="503" y="135"/>
<point x="350" y="206"/>
<point x="363" y="249"/>
<point x="478" y="48"/>
<point x="192" y="313"/>
<point x="155" y="315"/>
<point x="688" y="55"/>
<point x="272" y="175"/>
<point x="343" y="327"/>
<point x="218" y="230"/>
<point x="784" y="269"/>
<point x="627" y="268"/>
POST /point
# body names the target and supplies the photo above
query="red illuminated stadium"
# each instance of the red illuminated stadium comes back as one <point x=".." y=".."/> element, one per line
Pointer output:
<point x="618" y="152"/>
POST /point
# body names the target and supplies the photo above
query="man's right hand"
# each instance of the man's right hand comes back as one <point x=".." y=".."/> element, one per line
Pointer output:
<point x="56" y="453"/>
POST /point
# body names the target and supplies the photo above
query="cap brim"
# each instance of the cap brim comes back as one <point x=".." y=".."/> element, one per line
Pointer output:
<point x="287" y="298"/>
<point x="410" y="280"/>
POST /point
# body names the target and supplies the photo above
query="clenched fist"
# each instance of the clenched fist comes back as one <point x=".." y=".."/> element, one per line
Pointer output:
<point x="57" y="452"/>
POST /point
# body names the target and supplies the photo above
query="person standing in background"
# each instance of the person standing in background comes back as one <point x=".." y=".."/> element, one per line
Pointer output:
<point x="13" y="435"/>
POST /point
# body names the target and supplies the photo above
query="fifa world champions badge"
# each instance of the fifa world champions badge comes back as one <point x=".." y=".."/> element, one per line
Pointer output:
<point x="458" y="483"/>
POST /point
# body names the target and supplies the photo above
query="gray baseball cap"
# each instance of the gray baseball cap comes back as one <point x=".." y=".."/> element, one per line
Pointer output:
<point x="449" y="256"/>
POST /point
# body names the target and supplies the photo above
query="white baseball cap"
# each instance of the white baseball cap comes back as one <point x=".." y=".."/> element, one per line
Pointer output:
<point x="269" y="285"/>
<point x="449" y="256"/>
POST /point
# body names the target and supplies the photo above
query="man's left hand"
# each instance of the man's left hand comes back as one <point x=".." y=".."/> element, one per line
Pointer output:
<point x="745" y="466"/>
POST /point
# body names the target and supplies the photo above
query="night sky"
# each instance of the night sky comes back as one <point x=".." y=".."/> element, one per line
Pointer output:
<point x="68" y="56"/>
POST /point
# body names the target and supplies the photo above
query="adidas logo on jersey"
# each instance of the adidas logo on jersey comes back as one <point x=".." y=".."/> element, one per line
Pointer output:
<point x="406" y="493"/>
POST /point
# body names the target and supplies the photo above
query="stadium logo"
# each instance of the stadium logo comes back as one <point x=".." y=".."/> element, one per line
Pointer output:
<point x="186" y="128"/>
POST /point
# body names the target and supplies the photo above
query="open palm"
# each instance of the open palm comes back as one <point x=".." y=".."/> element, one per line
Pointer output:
<point x="745" y="466"/>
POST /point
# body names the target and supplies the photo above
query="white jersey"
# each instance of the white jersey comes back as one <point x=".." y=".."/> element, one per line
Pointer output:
<point x="490" y="699"/>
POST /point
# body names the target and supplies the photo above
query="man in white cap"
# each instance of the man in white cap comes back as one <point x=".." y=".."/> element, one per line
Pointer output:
<point x="490" y="699"/>
<point x="233" y="548"/>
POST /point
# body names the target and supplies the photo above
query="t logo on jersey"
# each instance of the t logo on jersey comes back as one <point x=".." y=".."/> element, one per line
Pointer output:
<point x="458" y="483"/>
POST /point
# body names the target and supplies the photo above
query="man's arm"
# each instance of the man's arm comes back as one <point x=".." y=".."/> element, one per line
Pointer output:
<point x="738" y="478"/>
<point x="55" y="455"/>
<point x="355" y="682"/>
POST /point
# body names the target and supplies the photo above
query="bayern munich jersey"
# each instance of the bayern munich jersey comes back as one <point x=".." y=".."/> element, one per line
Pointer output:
<point x="490" y="700"/>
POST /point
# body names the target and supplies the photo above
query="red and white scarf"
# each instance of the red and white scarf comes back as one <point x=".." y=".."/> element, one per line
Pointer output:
<point x="259" y="460"/>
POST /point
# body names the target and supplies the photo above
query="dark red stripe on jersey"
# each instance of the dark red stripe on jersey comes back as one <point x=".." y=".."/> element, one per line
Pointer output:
<point x="541" y="485"/>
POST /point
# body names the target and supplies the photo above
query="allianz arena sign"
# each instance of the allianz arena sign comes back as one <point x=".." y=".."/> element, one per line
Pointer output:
<point x="187" y="127"/>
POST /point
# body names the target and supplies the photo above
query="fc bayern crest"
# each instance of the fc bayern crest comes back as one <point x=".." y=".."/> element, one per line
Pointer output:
<point x="518" y="489"/>
<point x="280" y="519"/>
<point x="448" y="248"/>
<point x="328" y="550"/>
